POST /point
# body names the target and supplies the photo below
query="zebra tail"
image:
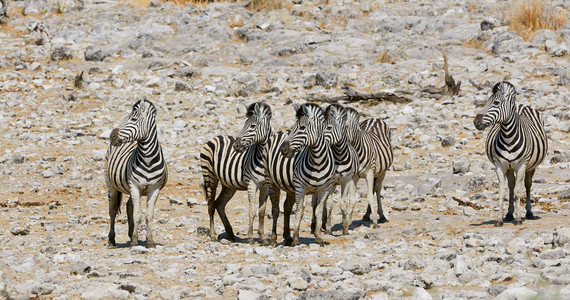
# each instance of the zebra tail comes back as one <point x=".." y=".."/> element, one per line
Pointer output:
<point x="118" y="205"/>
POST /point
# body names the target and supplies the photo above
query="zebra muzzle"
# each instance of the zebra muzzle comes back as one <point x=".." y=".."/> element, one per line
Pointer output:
<point x="478" y="122"/>
<point x="115" y="138"/>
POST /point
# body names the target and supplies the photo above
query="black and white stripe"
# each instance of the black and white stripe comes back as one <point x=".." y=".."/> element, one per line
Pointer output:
<point x="135" y="166"/>
<point x="516" y="145"/>
<point x="347" y="164"/>
<point x="236" y="163"/>
<point x="371" y="139"/>
<point x="301" y="162"/>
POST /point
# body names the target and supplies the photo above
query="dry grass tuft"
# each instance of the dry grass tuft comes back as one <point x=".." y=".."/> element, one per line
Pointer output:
<point x="526" y="16"/>
<point x="386" y="57"/>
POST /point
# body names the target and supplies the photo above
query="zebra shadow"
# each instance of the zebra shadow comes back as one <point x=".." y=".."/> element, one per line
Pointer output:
<point x="492" y="222"/>
<point x="128" y="245"/>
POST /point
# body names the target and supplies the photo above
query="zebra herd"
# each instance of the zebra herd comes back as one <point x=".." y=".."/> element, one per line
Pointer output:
<point x="323" y="149"/>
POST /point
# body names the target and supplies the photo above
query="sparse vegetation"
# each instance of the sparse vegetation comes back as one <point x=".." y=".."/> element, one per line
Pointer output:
<point x="386" y="56"/>
<point x="527" y="16"/>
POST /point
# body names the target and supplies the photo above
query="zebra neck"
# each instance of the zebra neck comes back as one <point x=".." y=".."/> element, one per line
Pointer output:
<point x="149" y="148"/>
<point x="318" y="151"/>
<point x="340" y="150"/>
<point x="511" y="130"/>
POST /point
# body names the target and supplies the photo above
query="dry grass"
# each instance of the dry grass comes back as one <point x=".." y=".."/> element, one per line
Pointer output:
<point x="255" y="4"/>
<point x="386" y="56"/>
<point x="526" y="16"/>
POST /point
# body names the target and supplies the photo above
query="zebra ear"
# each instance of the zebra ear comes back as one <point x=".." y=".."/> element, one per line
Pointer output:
<point x="496" y="87"/>
<point x="296" y="107"/>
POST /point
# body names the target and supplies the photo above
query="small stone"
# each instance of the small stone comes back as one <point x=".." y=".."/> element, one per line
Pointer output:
<point x="298" y="284"/>
<point x="61" y="53"/>
<point x="94" y="54"/>
<point x="203" y="231"/>
<point x="448" y="141"/>
<point x="553" y="254"/>
<point x="19" y="231"/>
<point x="461" y="167"/>
<point x="79" y="268"/>
<point x="517" y="293"/>
<point x="421" y="294"/>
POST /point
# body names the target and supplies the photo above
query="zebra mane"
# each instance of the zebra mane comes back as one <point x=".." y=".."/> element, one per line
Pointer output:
<point x="505" y="88"/>
<point x="352" y="113"/>
<point x="309" y="110"/>
<point x="336" y="110"/>
<point x="259" y="108"/>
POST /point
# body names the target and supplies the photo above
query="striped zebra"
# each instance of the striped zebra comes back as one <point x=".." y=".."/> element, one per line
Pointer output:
<point x="134" y="165"/>
<point x="236" y="163"/>
<point x="371" y="139"/>
<point x="346" y="160"/>
<point x="516" y="145"/>
<point x="300" y="162"/>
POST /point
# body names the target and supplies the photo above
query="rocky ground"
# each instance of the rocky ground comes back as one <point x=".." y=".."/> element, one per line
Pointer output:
<point x="200" y="64"/>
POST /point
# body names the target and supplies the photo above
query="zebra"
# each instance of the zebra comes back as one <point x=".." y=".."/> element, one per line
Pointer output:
<point x="516" y="145"/>
<point x="135" y="165"/>
<point x="371" y="139"/>
<point x="237" y="164"/>
<point x="300" y="162"/>
<point x="346" y="160"/>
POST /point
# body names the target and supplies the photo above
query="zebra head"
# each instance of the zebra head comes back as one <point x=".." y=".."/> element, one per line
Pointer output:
<point x="257" y="127"/>
<point x="307" y="130"/>
<point x="137" y="125"/>
<point x="335" y="123"/>
<point x="352" y="124"/>
<point x="499" y="108"/>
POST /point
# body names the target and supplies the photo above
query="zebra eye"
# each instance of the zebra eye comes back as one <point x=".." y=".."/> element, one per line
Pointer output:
<point x="497" y="102"/>
<point x="252" y="126"/>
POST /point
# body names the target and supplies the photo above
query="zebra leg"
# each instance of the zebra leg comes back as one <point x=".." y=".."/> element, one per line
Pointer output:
<point x="314" y="217"/>
<point x="274" y="193"/>
<point x="511" y="183"/>
<point x="210" y="191"/>
<point x="519" y="190"/>
<point x="252" y="209"/>
<point x="322" y="197"/>
<point x="299" y="210"/>
<point x="263" y="194"/>
<point x="328" y="208"/>
<point x="114" y="205"/>
<point x="287" y="209"/>
<point x="351" y="201"/>
<point x="130" y="219"/>
<point x="151" y="200"/>
<point x="137" y="214"/>
<point x="371" y="214"/>
<point x="527" y="184"/>
<point x="501" y="176"/>
<point x="378" y="189"/>
<point x="225" y="195"/>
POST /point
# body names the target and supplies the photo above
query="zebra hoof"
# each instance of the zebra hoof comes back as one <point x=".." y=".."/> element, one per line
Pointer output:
<point x="530" y="216"/>
<point x="375" y="226"/>
<point x="328" y="231"/>
<point x="112" y="242"/>
<point x="383" y="220"/>
<point x="295" y="242"/>
<point x="518" y="222"/>
<point x="499" y="224"/>
<point x="251" y="241"/>
<point x="345" y="232"/>
<point x="366" y="218"/>
<point x="509" y="217"/>
<point x="320" y="241"/>
<point x="150" y="244"/>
